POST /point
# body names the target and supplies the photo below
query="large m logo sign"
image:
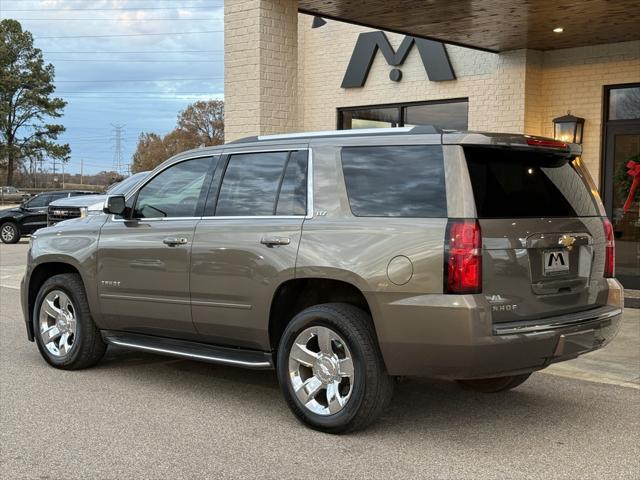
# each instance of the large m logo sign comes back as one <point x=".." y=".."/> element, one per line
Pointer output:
<point x="433" y="54"/>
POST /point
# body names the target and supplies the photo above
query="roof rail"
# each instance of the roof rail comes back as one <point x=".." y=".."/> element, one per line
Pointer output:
<point x="418" y="129"/>
<point x="358" y="131"/>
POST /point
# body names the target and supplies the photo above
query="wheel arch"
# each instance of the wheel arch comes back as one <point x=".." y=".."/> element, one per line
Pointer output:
<point x="294" y="295"/>
<point x="40" y="274"/>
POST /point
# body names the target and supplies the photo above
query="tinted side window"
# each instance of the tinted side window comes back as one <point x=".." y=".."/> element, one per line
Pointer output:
<point x="58" y="196"/>
<point x="40" y="201"/>
<point x="251" y="183"/>
<point x="174" y="192"/>
<point x="395" y="181"/>
<point x="292" y="199"/>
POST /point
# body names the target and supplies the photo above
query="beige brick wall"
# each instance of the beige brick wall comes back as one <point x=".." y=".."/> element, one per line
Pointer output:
<point x="518" y="91"/>
<point x="573" y="79"/>
<point x="261" y="67"/>
<point x="493" y="83"/>
<point x="283" y="76"/>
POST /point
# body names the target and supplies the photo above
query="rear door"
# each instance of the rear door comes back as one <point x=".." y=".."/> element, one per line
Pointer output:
<point x="247" y="243"/>
<point x="542" y="231"/>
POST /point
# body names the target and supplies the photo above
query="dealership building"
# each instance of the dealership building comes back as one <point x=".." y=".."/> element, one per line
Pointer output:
<point x="569" y="69"/>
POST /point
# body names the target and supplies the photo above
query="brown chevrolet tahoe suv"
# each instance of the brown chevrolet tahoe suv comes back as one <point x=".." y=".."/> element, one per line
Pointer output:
<point x="342" y="260"/>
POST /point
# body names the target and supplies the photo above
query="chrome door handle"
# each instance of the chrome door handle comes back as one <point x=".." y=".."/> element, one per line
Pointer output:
<point x="175" y="241"/>
<point x="273" y="241"/>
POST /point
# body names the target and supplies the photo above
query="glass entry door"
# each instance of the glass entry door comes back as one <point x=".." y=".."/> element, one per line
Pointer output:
<point x="622" y="180"/>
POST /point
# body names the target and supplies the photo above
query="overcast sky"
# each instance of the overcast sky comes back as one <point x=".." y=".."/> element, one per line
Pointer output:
<point x="124" y="62"/>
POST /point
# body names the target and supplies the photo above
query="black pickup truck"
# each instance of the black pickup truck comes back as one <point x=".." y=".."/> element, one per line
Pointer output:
<point x="30" y="215"/>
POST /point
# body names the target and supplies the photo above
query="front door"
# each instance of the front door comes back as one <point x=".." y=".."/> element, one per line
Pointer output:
<point x="246" y="246"/>
<point x="622" y="180"/>
<point x="143" y="260"/>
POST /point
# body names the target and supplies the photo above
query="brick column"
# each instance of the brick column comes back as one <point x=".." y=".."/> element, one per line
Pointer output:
<point x="261" y="67"/>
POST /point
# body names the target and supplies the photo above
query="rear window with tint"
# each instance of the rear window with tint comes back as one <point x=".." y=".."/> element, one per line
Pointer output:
<point x="513" y="184"/>
<point x="395" y="181"/>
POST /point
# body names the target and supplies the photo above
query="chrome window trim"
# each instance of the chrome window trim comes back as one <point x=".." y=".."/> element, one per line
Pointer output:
<point x="255" y="217"/>
<point x="309" y="184"/>
<point x="308" y="215"/>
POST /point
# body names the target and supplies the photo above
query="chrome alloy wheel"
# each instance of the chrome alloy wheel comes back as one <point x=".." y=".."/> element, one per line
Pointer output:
<point x="57" y="319"/>
<point x="321" y="370"/>
<point x="7" y="232"/>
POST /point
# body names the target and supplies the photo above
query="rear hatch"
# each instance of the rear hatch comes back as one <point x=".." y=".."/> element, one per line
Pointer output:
<point x="543" y="235"/>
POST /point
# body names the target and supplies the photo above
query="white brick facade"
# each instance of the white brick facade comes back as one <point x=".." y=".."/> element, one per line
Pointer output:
<point x="261" y="67"/>
<point x="274" y="83"/>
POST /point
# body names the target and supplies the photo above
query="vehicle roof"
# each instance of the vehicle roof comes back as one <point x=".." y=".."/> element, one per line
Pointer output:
<point x="402" y="135"/>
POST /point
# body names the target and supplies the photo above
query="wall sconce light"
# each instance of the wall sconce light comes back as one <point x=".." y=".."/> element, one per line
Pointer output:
<point x="318" y="22"/>
<point x="568" y="128"/>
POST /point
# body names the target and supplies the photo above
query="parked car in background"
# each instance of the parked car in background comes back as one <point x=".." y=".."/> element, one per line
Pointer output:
<point x="30" y="215"/>
<point x="342" y="260"/>
<point x="12" y="195"/>
<point x="67" y="208"/>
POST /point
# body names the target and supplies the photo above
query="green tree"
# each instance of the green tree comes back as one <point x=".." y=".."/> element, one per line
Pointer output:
<point x="26" y="101"/>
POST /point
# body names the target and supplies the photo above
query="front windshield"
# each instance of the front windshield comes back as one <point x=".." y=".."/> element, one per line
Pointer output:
<point x="127" y="184"/>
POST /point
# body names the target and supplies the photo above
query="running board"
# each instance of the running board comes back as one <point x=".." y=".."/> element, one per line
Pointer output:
<point x="190" y="350"/>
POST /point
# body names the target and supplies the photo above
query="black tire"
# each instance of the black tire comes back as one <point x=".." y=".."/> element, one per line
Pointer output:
<point x="372" y="387"/>
<point x="494" y="385"/>
<point x="88" y="347"/>
<point x="10" y="233"/>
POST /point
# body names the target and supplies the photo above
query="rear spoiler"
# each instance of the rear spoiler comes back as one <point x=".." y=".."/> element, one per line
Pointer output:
<point x="514" y="141"/>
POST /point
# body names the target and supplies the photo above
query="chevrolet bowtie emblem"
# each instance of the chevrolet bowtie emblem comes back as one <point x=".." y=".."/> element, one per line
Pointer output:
<point x="567" y="241"/>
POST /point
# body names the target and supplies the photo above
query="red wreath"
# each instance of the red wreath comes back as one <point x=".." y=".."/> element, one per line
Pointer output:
<point x="634" y="171"/>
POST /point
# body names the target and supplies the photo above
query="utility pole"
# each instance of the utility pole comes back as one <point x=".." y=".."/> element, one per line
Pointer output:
<point x="41" y="160"/>
<point x="118" y="139"/>
<point x="81" y="170"/>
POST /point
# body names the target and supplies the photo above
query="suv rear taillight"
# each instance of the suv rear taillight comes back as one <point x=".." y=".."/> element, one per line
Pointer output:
<point x="610" y="249"/>
<point x="463" y="257"/>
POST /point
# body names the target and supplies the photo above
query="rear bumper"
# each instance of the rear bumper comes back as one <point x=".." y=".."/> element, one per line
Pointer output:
<point x="457" y="339"/>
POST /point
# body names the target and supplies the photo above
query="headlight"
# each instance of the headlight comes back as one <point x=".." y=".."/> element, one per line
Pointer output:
<point x="84" y="211"/>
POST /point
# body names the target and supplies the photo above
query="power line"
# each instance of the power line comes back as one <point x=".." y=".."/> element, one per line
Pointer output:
<point x="171" y="99"/>
<point x="122" y="60"/>
<point x="172" y="19"/>
<point x="179" y="2"/>
<point x="176" y="7"/>
<point x="141" y="80"/>
<point x="107" y="92"/>
<point x="134" y="51"/>
<point x="130" y="34"/>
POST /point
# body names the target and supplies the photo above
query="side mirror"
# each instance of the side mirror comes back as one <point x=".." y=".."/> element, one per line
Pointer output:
<point x="114" y="205"/>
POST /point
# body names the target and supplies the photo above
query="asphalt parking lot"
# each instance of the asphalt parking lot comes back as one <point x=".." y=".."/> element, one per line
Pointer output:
<point x="144" y="416"/>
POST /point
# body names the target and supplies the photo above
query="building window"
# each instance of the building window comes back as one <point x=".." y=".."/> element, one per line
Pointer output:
<point x="624" y="103"/>
<point x="443" y="114"/>
<point x="621" y="151"/>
